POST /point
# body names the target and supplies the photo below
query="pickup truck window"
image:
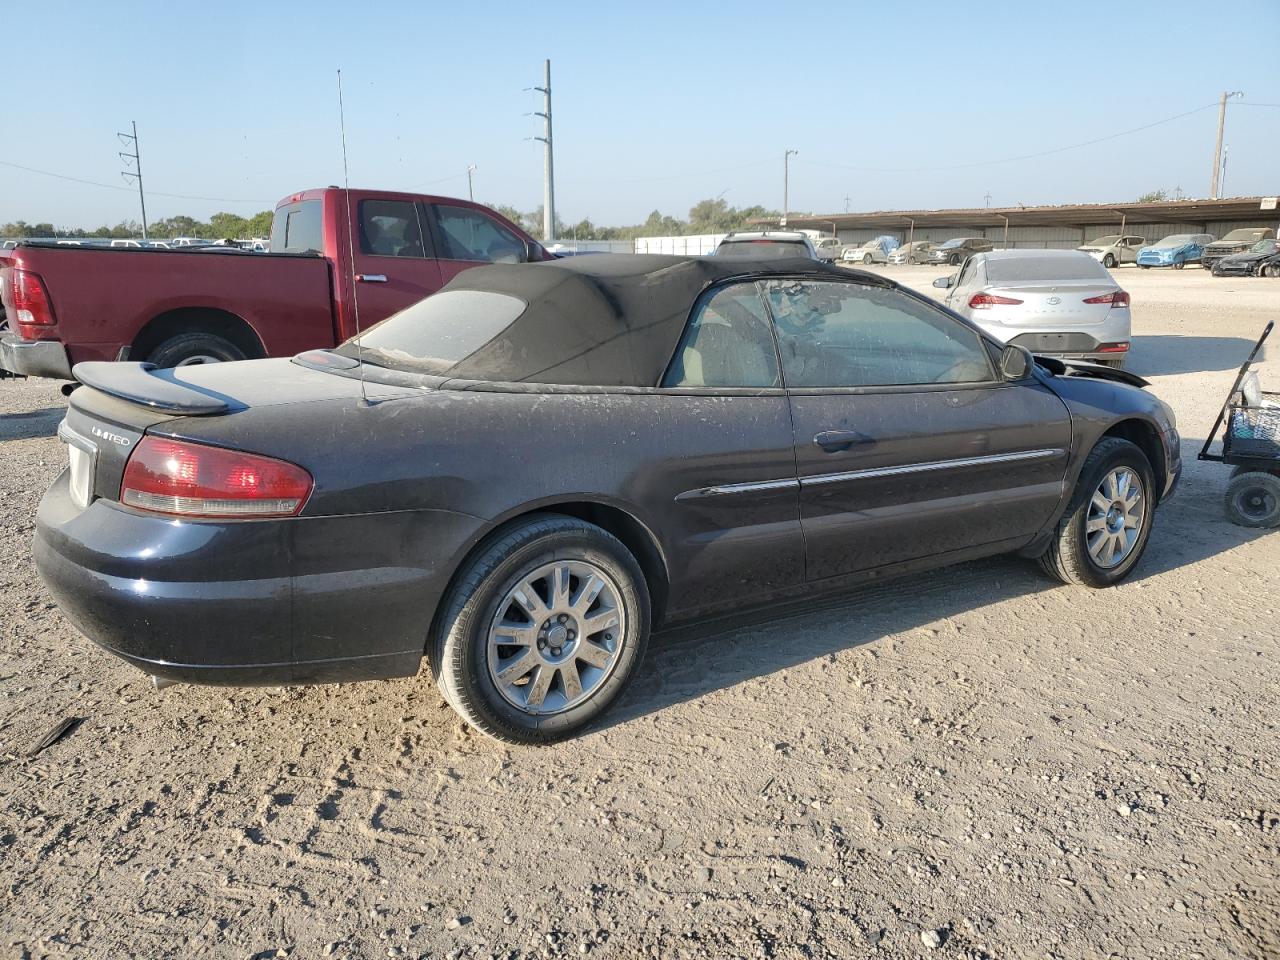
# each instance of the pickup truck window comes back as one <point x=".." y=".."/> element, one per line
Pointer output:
<point x="390" y="228"/>
<point x="296" y="228"/>
<point x="467" y="234"/>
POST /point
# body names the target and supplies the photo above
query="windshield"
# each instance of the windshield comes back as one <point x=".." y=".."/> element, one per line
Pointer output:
<point x="1264" y="246"/>
<point x="772" y="249"/>
<point x="1177" y="240"/>
<point x="957" y="242"/>
<point x="436" y="334"/>
<point x="1102" y="242"/>
<point x="1045" y="269"/>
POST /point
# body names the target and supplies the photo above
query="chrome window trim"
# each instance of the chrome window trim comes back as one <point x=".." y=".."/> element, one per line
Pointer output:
<point x="762" y="486"/>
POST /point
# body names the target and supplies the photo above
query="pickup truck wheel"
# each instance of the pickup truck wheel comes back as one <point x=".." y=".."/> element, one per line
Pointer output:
<point x="542" y="632"/>
<point x="1104" y="531"/>
<point x="192" y="348"/>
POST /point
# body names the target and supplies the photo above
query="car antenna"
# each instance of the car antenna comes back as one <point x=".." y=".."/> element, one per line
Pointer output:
<point x="351" y="243"/>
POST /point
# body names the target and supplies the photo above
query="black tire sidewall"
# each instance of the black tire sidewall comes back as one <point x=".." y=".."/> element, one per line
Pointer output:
<point x="1109" y="262"/>
<point x="1128" y="455"/>
<point x="463" y="663"/>
<point x="178" y="348"/>
<point x="1241" y="483"/>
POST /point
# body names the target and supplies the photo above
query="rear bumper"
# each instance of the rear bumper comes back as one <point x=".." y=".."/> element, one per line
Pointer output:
<point x="306" y="600"/>
<point x="34" y="358"/>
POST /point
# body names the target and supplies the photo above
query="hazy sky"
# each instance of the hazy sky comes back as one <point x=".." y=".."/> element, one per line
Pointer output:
<point x="657" y="105"/>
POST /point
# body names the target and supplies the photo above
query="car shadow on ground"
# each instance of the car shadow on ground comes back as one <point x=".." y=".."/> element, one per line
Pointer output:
<point x="690" y="661"/>
<point x="31" y="424"/>
<point x="1160" y="356"/>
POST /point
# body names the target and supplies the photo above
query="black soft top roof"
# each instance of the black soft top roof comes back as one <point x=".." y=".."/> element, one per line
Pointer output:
<point x="608" y="319"/>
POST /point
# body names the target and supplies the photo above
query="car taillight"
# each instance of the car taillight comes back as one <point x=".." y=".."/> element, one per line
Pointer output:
<point x="1119" y="347"/>
<point x="980" y="301"/>
<point x="195" y="480"/>
<point x="1118" y="299"/>
<point x="30" y="298"/>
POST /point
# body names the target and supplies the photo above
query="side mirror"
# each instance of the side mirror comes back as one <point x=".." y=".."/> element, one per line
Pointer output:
<point x="944" y="282"/>
<point x="1015" y="362"/>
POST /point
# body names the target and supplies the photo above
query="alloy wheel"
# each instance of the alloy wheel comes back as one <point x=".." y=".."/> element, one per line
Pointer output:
<point x="1117" y="513"/>
<point x="556" y="636"/>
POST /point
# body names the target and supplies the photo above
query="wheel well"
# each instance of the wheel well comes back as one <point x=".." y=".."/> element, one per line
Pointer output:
<point x="1147" y="439"/>
<point x="630" y="532"/>
<point x="197" y="320"/>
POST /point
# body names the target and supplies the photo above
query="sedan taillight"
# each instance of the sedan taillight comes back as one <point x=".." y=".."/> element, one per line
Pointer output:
<point x="195" y="480"/>
<point x="981" y="301"/>
<point x="31" y="303"/>
<point x="1118" y="299"/>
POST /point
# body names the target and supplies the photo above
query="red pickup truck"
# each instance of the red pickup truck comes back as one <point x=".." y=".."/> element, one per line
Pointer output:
<point x="65" y="304"/>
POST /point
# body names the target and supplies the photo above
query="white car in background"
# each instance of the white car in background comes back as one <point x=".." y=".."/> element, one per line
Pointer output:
<point x="1114" y="249"/>
<point x="1057" y="303"/>
<point x="870" y="252"/>
<point x="827" y="248"/>
<point x="917" y="251"/>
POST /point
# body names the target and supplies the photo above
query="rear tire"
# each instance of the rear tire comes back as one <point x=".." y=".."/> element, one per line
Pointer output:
<point x="1069" y="556"/>
<point x="192" y="348"/>
<point x="1179" y="264"/>
<point x="461" y="651"/>
<point x="1109" y="262"/>
<point x="1253" y="499"/>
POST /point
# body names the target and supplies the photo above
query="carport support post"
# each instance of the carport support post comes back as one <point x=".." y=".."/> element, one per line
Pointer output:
<point x="911" y="233"/>
<point x="1006" y="231"/>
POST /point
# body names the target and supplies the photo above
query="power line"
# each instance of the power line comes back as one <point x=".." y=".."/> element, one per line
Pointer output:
<point x="115" y="186"/>
<point x="1025" y="156"/>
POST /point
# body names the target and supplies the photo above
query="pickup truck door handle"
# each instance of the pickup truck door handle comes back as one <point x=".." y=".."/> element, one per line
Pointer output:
<point x="371" y="277"/>
<point x="833" y="441"/>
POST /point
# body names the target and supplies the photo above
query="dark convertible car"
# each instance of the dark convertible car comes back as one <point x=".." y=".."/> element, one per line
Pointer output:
<point x="522" y="475"/>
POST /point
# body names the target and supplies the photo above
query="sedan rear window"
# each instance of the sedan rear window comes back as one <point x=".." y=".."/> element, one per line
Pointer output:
<point x="1044" y="269"/>
<point x="437" y="333"/>
<point x="756" y="249"/>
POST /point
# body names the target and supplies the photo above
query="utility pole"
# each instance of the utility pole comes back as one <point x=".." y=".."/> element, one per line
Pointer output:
<point x="988" y="199"/>
<point x="548" y="166"/>
<point x="136" y="173"/>
<point x="786" y="183"/>
<point x="471" y="193"/>
<point x="1217" y="149"/>
<point x="1222" y="179"/>
<point x="846" y="203"/>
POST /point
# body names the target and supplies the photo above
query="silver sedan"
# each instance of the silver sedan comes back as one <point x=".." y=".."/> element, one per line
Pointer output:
<point x="1053" y="302"/>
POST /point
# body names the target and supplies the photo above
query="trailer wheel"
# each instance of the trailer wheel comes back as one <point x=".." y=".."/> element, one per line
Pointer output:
<point x="1253" y="499"/>
<point x="191" y="348"/>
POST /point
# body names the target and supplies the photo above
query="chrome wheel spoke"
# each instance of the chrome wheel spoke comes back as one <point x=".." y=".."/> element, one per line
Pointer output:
<point x="529" y="601"/>
<point x="570" y="680"/>
<point x="1095" y="524"/>
<point x="588" y="590"/>
<point x="594" y="654"/>
<point x="600" y="621"/>
<point x="539" y="685"/>
<point x="518" y="667"/>
<point x="560" y="578"/>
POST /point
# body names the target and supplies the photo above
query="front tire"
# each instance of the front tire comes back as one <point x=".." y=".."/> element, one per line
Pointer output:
<point x="866" y="260"/>
<point x="1106" y="526"/>
<point x="1253" y="499"/>
<point x="1179" y="264"/>
<point x="542" y="631"/>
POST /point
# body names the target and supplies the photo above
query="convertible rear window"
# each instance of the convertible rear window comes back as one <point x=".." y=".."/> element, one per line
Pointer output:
<point x="437" y="333"/>
<point x="1044" y="269"/>
<point x="762" y="248"/>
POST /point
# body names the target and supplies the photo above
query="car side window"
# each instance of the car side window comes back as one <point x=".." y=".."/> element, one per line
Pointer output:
<point x="467" y="234"/>
<point x="728" y="343"/>
<point x="834" y="334"/>
<point x="390" y="228"/>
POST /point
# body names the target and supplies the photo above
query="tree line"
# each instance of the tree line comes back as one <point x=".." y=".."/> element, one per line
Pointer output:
<point x="706" y="216"/>
<point x="229" y="226"/>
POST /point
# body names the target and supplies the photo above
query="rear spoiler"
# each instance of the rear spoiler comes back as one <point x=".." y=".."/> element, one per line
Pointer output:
<point x="144" y="384"/>
<point x="1084" y="368"/>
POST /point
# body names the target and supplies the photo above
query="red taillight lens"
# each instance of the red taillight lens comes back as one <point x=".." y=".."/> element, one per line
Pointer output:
<point x="194" y="480"/>
<point x="30" y="298"/>
<point x="980" y="301"/>
<point x="1120" y="347"/>
<point x="1118" y="299"/>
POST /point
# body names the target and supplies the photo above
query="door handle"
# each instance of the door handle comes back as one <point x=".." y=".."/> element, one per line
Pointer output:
<point x="833" y="441"/>
<point x="371" y="277"/>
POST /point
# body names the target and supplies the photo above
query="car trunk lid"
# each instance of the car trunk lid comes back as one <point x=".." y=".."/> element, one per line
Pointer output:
<point x="1051" y="305"/>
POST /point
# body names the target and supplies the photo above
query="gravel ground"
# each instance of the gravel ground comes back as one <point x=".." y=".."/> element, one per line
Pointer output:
<point x="974" y="763"/>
